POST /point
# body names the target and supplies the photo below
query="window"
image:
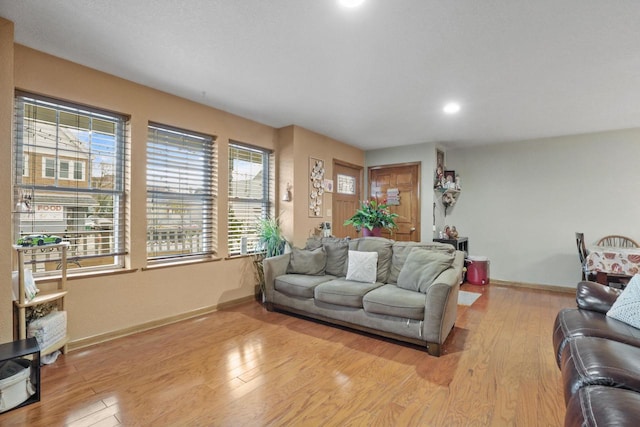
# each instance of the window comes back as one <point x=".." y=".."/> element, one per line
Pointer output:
<point x="25" y="165"/>
<point x="76" y="191"/>
<point x="49" y="166"/>
<point x="180" y="194"/>
<point x="250" y="187"/>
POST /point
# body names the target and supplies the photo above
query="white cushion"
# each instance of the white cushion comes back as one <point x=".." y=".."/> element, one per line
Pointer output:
<point x="627" y="307"/>
<point x="363" y="266"/>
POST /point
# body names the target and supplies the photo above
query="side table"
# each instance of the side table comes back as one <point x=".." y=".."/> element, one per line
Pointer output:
<point x="461" y="243"/>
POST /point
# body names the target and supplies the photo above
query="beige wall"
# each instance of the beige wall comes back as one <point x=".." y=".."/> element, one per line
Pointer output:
<point x="6" y="120"/>
<point x="298" y="145"/>
<point x="104" y="305"/>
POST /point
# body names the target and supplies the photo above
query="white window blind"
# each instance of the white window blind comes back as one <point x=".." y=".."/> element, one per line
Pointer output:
<point x="181" y="193"/>
<point x="69" y="164"/>
<point x="250" y="190"/>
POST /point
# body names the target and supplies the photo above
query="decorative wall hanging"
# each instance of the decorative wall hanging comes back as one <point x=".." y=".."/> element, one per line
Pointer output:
<point x="316" y="187"/>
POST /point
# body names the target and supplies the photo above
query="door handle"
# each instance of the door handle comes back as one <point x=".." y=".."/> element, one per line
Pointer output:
<point x="412" y="229"/>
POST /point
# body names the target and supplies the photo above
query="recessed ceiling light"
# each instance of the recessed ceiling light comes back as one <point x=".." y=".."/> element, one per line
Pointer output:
<point x="451" y="108"/>
<point x="350" y="3"/>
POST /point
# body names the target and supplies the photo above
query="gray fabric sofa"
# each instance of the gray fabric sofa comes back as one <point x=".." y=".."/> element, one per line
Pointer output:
<point x="410" y="295"/>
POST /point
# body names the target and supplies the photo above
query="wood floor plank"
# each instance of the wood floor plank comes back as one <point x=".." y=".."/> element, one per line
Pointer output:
<point x="247" y="366"/>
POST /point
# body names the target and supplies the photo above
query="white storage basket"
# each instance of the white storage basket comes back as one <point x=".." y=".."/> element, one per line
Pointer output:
<point x="48" y="329"/>
<point x="15" y="383"/>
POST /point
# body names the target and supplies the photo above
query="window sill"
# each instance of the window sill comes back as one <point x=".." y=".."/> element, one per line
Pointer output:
<point x="71" y="276"/>
<point x="179" y="263"/>
<point x="239" y="256"/>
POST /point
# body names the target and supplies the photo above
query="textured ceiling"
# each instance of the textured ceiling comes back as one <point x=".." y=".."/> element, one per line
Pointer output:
<point x="373" y="77"/>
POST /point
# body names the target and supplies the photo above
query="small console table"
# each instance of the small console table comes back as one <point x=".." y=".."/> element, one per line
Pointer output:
<point x="461" y="243"/>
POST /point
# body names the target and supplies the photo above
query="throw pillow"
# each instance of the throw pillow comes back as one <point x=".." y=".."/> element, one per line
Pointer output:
<point x="337" y="252"/>
<point x="362" y="267"/>
<point x="422" y="267"/>
<point x="627" y="307"/>
<point x="311" y="262"/>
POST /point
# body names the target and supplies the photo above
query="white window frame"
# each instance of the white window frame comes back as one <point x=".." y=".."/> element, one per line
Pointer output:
<point x="49" y="165"/>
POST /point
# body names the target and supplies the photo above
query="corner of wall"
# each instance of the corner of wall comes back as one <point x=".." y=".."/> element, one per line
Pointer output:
<point x="6" y="134"/>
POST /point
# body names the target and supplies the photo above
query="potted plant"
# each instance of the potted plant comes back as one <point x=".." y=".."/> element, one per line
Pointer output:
<point x="271" y="242"/>
<point x="372" y="217"/>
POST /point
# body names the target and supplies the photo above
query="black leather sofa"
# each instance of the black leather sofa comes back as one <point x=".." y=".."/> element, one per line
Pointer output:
<point x="599" y="358"/>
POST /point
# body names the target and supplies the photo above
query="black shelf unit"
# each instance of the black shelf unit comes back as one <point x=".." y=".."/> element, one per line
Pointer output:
<point x="24" y="349"/>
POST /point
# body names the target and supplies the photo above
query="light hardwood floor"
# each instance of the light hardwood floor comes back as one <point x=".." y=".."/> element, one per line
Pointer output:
<point x="246" y="366"/>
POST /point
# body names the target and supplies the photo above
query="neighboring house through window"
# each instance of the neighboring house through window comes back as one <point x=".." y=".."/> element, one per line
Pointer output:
<point x="250" y="191"/>
<point x="69" y="179"/>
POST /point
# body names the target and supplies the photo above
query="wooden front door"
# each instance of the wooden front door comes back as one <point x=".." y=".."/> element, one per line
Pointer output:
<point x="347" y="182"/>
<point x="403" y="180"/>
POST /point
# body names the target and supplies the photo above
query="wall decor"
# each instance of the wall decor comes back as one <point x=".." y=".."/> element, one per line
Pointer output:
<point x="316" y="188"/>
<point x="328" y="185"/>
<point x="438" y="179"/>
<point x="450" y="180"/>
<point x="393" y="197"/>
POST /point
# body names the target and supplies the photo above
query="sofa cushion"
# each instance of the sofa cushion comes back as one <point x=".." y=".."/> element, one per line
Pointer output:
<point x="627" y="307"/>
<point x="599" y="405"/>
<point x="599" y="361"/>
<point x="307" y="261"/>
<point x="343" y="292"/>
<point x="401" y="251"/>
<point x="362" y="266"/>
<point x="394" y="301"/>
<point x="376" y="244"/>
<point x="571" y="323"/>
<point x="299" y="285"/>
<point x="422" y="267"/>
<point x="337" y="252"/>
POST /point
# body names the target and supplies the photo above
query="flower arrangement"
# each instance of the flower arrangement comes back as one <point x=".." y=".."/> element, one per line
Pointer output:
<point x="372" y="214"/>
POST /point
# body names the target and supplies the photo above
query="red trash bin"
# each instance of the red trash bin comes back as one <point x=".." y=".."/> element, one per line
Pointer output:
<point x="478" y="270"/>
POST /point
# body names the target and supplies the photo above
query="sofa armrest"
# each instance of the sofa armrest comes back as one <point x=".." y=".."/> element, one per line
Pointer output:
<point x="441" y="306"/>
<point x="596" y="297"/>
<point x="274" y="267"/>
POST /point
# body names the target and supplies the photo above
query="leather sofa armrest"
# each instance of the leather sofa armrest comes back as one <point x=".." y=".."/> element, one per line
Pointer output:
<point x="274" y="267"/>
<point x="596" y="297"/>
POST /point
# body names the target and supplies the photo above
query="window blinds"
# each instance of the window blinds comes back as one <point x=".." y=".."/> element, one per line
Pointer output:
<point x="181" y="195"/>
<point x="69" y="163"/>
<point x="250" y="188"/>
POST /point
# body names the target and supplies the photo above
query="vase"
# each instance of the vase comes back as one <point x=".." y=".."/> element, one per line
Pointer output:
<point x="376" y="232"/>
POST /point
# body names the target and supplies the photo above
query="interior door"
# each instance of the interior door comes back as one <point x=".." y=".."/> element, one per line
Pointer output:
<point x="400" y="186"/>
<point x="347" y="185"/>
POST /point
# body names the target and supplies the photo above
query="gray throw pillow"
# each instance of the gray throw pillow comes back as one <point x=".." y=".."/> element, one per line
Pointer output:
<point x="401" y="251"/>
<point x="337" y="255"/>
<point x="337" y="250"/>
<point x="422" y="267"/>
<point x="311" y="262"/>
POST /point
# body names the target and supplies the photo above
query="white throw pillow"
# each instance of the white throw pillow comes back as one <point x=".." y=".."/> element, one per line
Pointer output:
<point x="627" y="307"/>
<point x="363" y="266"/>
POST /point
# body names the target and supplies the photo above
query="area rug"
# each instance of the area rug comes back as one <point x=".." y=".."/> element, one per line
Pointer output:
<point x="467" y="298"/>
